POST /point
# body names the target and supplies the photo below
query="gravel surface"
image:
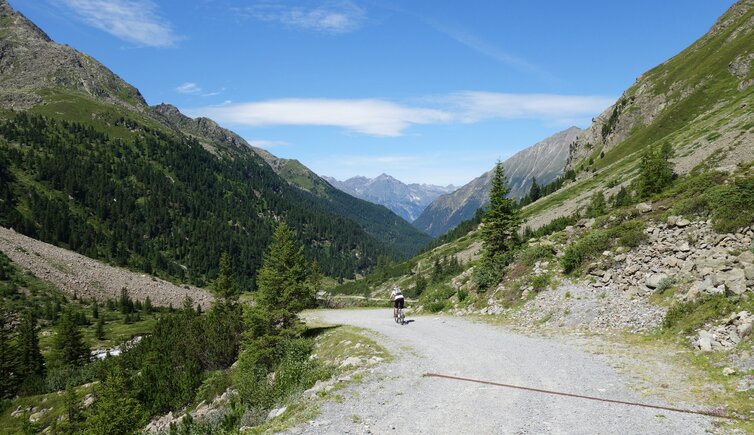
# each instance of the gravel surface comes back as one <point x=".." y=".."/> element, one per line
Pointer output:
<point x="397" y="399"/>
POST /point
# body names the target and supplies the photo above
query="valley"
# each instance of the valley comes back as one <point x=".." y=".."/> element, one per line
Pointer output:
<point x="188" y="268"/>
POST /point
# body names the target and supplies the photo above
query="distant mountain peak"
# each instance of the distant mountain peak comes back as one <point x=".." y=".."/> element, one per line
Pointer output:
<point x="405" y="200"/>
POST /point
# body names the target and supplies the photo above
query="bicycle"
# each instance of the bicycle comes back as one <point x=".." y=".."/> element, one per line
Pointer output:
<point x="400" y="318"/>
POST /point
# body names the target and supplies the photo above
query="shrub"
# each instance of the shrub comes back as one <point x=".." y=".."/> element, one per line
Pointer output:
<point x="597" y="206"/>
<point x="213" y="385"/>
<point x="462" y="295"/>
<point x="732" y="205"/>
<point x="630" y="234"/>
<point x="541" y="282"/>
<point x="437" y="299"/>
<point x="491" y="270"/>
<point x="587" y="247"/>
<point x="536" y="253"/>
<point x="687" y="316"/>
<point x="664" y="285"/>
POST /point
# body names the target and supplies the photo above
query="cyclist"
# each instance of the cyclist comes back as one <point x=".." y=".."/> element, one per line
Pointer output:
<point x="397" y="297"/>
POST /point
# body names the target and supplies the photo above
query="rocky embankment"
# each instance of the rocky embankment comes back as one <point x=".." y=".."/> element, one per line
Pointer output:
<point x="84" y="277"/>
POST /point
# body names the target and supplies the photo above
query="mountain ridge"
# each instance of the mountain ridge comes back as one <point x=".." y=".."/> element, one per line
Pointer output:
<point x="544" y="160"/>
<point x="405" y="200"/>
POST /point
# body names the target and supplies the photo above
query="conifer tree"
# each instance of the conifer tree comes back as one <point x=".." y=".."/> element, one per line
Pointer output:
<point x="656" y="171"/>
<point x="501" y="219"/>
<point x="8" y="360"/>
<point x="597" y="205"/>
<point x="226" y="286"/>
<point x="535" y="192"/>
<point x="284" y="277"/>
<point x="30" y="361"/>
<point x="68" y="345"/>
<point x="115" y="410"/>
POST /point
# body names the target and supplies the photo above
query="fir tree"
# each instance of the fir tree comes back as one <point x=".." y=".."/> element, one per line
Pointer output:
<point x="99" y="330"/>
<point x="597" y="206"/>
<point x="226" y="286"/>
<point x="656" y="171"/>
<point x="148" y="305"/>
<point x="501" y="219"/>
<point x="8" y="360"/>
<point x="115" y="410"/>
<point x="68" y="346"/>
<point x="534" y="192"/>
<point x="283" y="280"/>
<point x="31" y="363"/>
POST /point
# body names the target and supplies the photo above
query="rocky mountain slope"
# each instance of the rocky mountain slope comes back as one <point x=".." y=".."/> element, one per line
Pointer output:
<point x="85" y="162"/>
<point x="30" y="63"/>
<point x="375" y="220"/>
<point x="544" y="161"/>
<point x="406" y="200"/>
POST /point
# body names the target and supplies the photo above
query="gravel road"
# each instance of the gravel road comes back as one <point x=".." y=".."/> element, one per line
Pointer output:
<point x="397" y="399"/>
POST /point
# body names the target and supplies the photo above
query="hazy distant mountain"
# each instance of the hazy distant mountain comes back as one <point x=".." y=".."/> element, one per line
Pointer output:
<point x="405" y="200"/>
<point x="544" y="160"/>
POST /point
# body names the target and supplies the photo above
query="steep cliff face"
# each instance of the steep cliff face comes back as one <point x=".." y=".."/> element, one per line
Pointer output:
<point x="405" y="200"/>
<point x="30" y="63"/>
<point x="699" y="101"/>
<point x="544" y="161"/>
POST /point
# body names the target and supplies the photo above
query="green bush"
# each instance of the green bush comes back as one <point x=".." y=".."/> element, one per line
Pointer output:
<point x="541" y="282"/>
<point x="732" y="205"/>
<point x="630" y="234"/>
<point x="536" y="253"/>
<point x="587" y="247"/>
<point x="462" y="295"/>
<point x="213" y="385"/>
<point x="686" y="317"/>
<point x="436" y="300"/>
<point x="664" y="285"/>
<point x="491" y="271"/>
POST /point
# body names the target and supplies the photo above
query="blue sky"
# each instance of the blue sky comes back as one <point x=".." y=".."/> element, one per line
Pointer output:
<point x="427" y="91"/>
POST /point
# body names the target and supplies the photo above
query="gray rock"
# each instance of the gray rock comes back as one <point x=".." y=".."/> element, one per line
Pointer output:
<point x="705" y="343"/>
<point x="682" y="223"/>
<point x="653" y="280"/>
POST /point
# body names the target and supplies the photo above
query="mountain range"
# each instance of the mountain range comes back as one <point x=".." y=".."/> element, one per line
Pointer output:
<point x="405" y="200"/>
<point x="88" y="165"/>
<point x="544" y="161"/>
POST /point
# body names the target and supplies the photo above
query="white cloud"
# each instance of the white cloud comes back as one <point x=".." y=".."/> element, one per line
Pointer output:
<point x="134" y="21"/>
<point x="377" y="117"/>
<point x="474" y="106"/>
<point x="190" y="88"/>
<point x="368" y="116"/>
<point x="266" y="144"/>
<point x="333" y="17"/>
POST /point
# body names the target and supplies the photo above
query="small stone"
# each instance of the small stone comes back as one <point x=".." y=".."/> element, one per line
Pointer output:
<point x="277" y="412"/>
<point x="728" y="371"/>
<point x="681" y="223"/>
<point x="653" y="281"/>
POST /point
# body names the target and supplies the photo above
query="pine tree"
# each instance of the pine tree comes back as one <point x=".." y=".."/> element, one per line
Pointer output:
<point x="115" y="410"/>
<point x="597" y="206"/>
<point x="622" y="198"/>
<point x="68" y="346"/>
<point x="534" y="192"/>
<point x="148" y="305"/>
<point x="501" y="219"/>
<point x="99" y="330"/>
<point x="31" y="363"/>
<point x="656" y="171"/>
<point x="8" y="360"/>
<point x="283" y="279"/>
<point x="225" y="285"/>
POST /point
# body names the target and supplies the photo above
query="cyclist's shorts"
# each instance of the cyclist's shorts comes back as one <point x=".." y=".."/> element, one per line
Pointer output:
<point x="399" y="303"/>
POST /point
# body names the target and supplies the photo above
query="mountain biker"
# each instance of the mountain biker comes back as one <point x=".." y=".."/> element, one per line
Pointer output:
<point x="397" y="296"/>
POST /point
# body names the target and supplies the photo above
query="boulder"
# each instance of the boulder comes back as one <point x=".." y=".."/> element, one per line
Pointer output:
<point x="653" y="281"/>
<point x="644" y="207"/>
<point x="734" y="281"/>
<point x="682" y="223"/>
<point x="705" y="343"/>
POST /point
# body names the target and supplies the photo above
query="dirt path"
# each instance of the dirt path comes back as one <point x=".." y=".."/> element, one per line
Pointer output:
<point x="397" y="399"/>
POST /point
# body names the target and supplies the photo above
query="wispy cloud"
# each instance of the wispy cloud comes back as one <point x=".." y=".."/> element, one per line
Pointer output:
<point x="475" y="106"/>
<point x="332" y="17"/>
<point x="135" y="21"/>
<point x="369" y="116"/>
<point x="266" y="144"/>
<point x="191" y="88"/>
<point x="378" y="117"/>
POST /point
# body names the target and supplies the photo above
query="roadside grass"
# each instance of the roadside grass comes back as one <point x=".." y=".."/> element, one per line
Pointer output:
<point x="333" y="345"/>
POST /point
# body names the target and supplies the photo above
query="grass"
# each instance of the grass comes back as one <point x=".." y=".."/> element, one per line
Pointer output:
<point x="54" y="402"/>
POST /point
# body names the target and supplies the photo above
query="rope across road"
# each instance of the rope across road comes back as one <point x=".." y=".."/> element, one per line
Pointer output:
<point x="579" y="396"/>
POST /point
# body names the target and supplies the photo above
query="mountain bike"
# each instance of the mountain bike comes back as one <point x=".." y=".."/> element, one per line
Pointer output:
<point x="400" y="318"/>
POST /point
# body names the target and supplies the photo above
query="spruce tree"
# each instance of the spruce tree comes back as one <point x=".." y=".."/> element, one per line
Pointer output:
<point x="656" y="171"/>
<point x="68" y="346"/>
<point x="8" y="360"/>
<point x="31" y="363"/>
<point x="115" y="410"/>
<point x="283" y="280"/>
<point x="226" y="286"/>
<point x="597" y="205"/>
<point x="501" y="219"/>
<point x="535" y="192"/>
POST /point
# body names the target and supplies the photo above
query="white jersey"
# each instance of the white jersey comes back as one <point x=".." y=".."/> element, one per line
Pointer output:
<point x="396" y="294"/>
